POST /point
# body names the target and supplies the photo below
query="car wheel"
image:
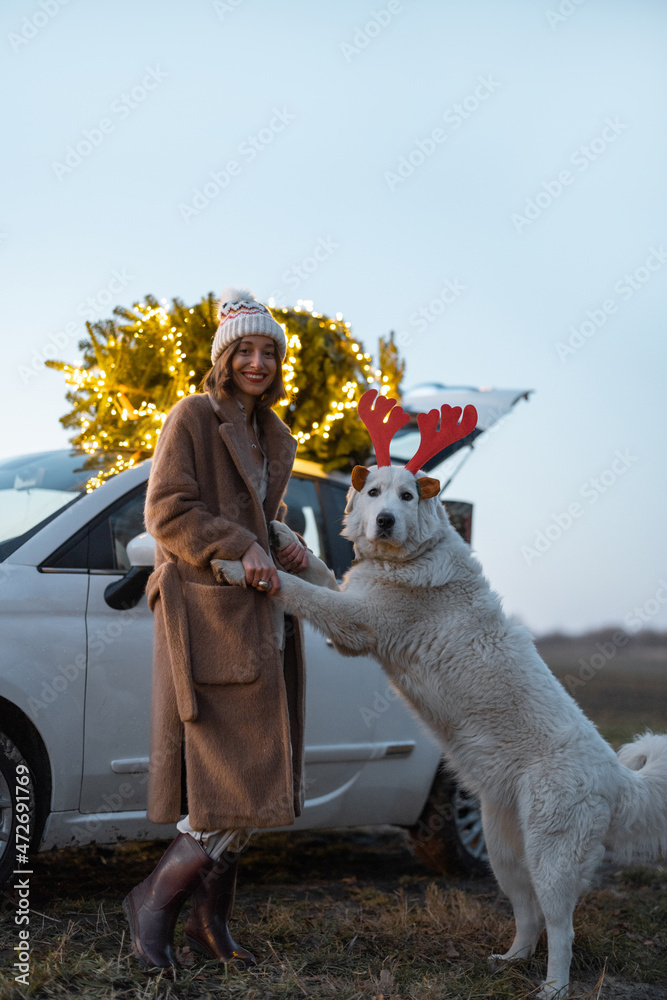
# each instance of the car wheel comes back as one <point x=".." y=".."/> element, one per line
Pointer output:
<point x="17" y="808"/>
<point x="448" y="836"/>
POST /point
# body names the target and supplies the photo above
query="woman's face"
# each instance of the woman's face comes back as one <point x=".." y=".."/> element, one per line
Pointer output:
<point x="254" y="365"/>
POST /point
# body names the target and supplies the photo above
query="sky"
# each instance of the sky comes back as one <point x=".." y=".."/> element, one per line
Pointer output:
<point x="485" y="178"/>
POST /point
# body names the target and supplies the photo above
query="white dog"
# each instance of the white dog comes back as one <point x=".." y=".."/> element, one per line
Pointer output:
<point x="553" y="793"/>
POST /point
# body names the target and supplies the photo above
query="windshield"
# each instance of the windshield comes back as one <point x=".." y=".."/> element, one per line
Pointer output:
<point x="33" y="488"/>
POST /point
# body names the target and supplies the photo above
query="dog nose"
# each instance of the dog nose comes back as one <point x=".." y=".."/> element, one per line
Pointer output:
<point x="385" y="520"/>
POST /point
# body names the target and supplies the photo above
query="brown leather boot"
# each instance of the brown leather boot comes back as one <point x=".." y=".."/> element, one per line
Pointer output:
<point x="152" y="907"/>
<point x="207" y="929"/>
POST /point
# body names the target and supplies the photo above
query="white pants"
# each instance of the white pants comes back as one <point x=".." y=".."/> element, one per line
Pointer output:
<point x="216" y="842"/>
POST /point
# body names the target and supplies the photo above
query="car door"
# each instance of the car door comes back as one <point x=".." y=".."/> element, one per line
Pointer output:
<point x="339" y="732"/>
<point x="118" y="690"/>
<point x="342" y="693"/>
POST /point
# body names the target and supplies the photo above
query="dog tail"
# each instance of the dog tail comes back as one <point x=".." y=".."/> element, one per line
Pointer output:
<point x="639" y="826"/>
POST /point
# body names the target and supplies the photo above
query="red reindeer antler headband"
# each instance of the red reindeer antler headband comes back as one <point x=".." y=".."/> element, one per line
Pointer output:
<point x="383" y="418"/>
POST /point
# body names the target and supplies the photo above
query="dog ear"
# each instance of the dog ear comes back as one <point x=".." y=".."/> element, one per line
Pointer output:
<point x="359" y="477"/>
<point x="428" y="487"/>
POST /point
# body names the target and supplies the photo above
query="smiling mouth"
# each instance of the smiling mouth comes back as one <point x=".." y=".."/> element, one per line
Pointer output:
<point x="254" y="378"/>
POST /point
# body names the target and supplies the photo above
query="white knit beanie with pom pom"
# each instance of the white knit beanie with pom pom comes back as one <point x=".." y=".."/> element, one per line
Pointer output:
<point x="242" y="315"/>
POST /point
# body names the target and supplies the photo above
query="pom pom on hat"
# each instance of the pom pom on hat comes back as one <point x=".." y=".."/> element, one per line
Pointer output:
<point x="242" y="315"/>
<point x="232" y="296"/>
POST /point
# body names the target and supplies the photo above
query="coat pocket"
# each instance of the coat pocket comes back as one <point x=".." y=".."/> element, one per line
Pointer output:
<point x="224" y="634"/>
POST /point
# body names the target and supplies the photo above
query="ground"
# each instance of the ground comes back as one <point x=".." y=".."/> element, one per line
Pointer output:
<point x="353" y="915"/>
<point x="347" y="915"/>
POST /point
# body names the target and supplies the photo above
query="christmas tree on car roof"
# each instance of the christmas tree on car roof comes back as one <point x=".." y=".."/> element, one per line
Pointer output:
<point x="136" y="366"/>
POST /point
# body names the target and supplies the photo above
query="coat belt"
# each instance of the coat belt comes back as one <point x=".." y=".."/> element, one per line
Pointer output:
<point x="165" y="582"/>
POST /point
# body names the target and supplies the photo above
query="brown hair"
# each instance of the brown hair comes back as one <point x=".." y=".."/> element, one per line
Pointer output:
<point x="219" y="380"/>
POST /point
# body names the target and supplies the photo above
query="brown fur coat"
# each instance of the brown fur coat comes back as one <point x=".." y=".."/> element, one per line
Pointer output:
<point x="218" y="683"/>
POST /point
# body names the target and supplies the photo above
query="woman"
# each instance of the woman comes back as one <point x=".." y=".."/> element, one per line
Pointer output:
<point x="228" y="688"/>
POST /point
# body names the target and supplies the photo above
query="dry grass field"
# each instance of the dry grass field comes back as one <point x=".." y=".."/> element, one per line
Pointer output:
<point x="623" y="688"/>
<point x="342" y="916"/>
<point x="353" y="915"/>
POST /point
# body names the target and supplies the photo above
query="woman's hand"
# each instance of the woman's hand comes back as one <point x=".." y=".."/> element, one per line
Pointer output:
<point x="293" y="558"/>
<point x="259" y="568"/>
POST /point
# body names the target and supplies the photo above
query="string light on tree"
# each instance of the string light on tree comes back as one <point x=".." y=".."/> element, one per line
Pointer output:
<point x="136" y="366"/>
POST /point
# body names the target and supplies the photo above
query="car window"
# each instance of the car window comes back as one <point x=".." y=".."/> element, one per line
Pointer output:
<point x="125" y="524"/>
<point x="314" y="509"/>
<point x="102" y="545"/>
<point x="304" y="514"/>
<point x="33" y="488"/>
<point x="334" y="497"/>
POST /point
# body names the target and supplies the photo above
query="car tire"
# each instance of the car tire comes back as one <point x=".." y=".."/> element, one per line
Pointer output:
<point x="13" y="767"/>
<point x="448" y="836"/>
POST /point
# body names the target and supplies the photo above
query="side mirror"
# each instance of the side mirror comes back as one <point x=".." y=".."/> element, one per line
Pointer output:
<point x="141" y="551"/>
<point x="128" y="591"/>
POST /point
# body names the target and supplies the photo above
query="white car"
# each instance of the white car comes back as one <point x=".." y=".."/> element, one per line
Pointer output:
<point x="75" y="677"/>
<point x="76" y="661"/>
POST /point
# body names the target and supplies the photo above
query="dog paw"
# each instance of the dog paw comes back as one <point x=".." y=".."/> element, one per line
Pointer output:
<point x="280" y="536"/>
<point x="549" y="991"/>
<point x="497" y="962"/>
<point x="229" y="571"/>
